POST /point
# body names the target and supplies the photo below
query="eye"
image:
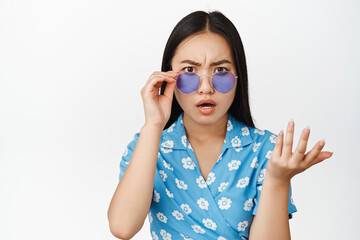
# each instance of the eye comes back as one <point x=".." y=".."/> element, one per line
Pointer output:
<point x="190" y="69"/>
<point x="222" y="69"/>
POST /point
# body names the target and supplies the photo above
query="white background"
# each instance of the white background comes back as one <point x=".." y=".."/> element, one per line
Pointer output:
<point x="71" y="72"/>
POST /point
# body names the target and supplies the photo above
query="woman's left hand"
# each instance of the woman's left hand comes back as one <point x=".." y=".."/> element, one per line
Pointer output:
<point x="284" y="164"/>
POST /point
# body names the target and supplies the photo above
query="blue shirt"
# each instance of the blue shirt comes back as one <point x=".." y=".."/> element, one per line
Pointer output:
<point x="185" y="206"/>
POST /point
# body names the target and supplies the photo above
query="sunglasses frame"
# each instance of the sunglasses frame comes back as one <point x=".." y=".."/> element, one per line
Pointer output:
<point x="211" y="75"/>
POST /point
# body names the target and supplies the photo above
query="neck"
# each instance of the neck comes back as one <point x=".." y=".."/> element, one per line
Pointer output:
<point x="200" y="132"/>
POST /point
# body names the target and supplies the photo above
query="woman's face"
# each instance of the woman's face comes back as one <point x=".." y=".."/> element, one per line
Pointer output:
<point x="204" y="54"/>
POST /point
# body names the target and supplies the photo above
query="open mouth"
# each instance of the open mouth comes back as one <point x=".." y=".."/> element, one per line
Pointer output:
<point x="206" y="105"/>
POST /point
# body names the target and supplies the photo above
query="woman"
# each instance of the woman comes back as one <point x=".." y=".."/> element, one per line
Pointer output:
<point x="199" y="167"/>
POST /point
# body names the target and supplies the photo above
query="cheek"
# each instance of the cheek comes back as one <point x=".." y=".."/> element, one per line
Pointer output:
<point x="231" y="98"/>
<point x="186" y="101"/>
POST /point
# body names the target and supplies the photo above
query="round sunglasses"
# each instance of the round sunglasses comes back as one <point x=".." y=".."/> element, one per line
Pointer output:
<point x="222" y="82"/>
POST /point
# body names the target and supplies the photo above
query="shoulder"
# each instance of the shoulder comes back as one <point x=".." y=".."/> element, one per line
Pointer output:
<point x="250" y="134"/>
<point x="263" y="144"/>
<point x="263" y="136"/>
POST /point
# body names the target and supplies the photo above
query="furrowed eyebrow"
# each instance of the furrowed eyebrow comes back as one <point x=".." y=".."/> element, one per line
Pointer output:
<point x="212" y="64"/>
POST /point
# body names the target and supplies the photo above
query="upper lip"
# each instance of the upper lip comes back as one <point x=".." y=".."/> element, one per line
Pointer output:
<point x="203" y="101"/>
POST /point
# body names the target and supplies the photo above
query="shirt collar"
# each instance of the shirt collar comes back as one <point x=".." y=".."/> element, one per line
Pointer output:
<point x="237" y="135"/>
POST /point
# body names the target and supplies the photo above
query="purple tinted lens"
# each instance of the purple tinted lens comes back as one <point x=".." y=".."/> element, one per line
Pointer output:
<point x="223" y="81"/>
<point x="187" y="82"/>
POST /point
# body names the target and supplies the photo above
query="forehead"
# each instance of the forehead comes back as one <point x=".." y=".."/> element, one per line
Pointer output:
<point x="204" y="48"/>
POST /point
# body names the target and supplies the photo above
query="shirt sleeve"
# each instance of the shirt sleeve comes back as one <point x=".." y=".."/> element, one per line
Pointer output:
<point x="125" y="159"/>
<point x="264" y="155"/>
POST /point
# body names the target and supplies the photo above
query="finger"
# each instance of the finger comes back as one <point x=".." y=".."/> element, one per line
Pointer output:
<point x="278" y="145"/>
<point x="158" y="80"/>
<point x="321" y="157"/>
<point x="314" y="153"/>
<point x="168" y="73"/>
<point x="287" y="148"/>
<point x="154" y="83"/>
<point x="301" y="147"/>
<point x="172" y="72"/>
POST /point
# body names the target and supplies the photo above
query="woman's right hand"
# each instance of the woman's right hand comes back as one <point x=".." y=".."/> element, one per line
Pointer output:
<point x="158" y="107"/>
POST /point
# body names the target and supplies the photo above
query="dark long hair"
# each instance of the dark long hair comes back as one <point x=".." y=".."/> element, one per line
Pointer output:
<point x="214" y="22"/>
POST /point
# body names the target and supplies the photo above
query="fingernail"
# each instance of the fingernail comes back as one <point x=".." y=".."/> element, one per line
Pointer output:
<point x="307" y="130"/>
<point x="281" y="132"/>
<point x="291" y="123"/>
<point x="322" y="142"/>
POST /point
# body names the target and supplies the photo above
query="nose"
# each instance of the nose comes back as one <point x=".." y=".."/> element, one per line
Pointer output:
<point x="205" y="84"/>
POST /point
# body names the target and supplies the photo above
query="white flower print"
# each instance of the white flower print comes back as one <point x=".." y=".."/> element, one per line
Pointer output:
<point x="209" y="223"/>
<point x="268" y="154"/>
<point x="245" y="131"/>
<point x="198" y="229"/>
<point x="180" y="184"/>
<point x="259" y="187"/>
<point x="186" y="208"/>
<point x="254" y="163"/>
<point x="224" y="203"/>
<point x="292" y="201"/>
<point x="156" y="197"/>
<point x="169" y="193"/>
<point x="229" y="125"/>
<point x="236" y="142"/>
<point x="167" y="146"/>
<point x="125" y="152"/>
<point x="170" y="129"/>
<point x="150" y="217"/>
<point x="221" y="238"/>
<point x="185" y="237"/>
<point x="189" y="147"/>
<point x="184" y="140"/>
<point x="223" y="186"/>
<point x="234" y="164"/>
<point x="273" y="138"/>
<point x="165" y="235"/>
<point x="167" y="165"/>
<point x="261" y="175"/>
<point x="177" y="215"/>
<point x="161" y="217"/>
<point x="201" y="182"/>
<point x="256" y="146"/>
<point x="163" y="175"/>
<point x="238" y="149"/>
<point x="210" y="178"/>
<point x="259" y="131"/>
<point x="203" y="204"/>
<point x="248" y="204"/>
<point x="243" y="182"/>
<point x="154" y="236"/>
<point x="188" y="163"/>
<point x="242" y="225"/>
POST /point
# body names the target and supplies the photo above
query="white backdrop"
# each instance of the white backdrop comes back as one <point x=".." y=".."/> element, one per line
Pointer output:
<point x="71" y="72"/>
